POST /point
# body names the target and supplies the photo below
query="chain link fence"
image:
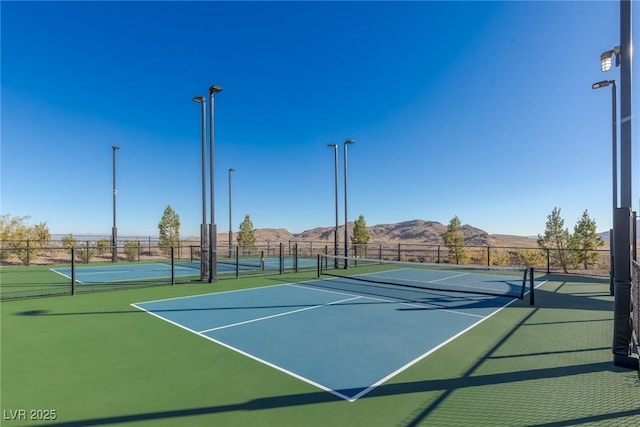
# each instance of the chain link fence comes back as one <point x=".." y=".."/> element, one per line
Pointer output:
<point x="28" y="269"/>
<point x="584" y="262"/>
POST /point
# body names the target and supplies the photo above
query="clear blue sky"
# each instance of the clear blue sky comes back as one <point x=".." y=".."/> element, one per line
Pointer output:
<point x="482" y="110"/>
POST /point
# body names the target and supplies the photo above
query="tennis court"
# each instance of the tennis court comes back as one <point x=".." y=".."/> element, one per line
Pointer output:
<point x="97" y="360"/>
<point x="149" y="271"/>
<point x="344" y="335"/>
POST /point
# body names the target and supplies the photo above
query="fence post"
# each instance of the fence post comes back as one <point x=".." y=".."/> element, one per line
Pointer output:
<point x="488" y="256"/>
<point x="548" y="261"/>
<point x="295" y="257"/>
<point x="399" y="258"/>
<point x="73" y="270"/>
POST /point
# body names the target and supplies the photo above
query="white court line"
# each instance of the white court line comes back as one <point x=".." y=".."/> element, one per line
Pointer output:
<point x="447" y="278"/>
<point x="286" y="313"/>
<point x="249" y="355"/>
<point x="432" y="350"/>
<point x="419" y="305"/>
<point x="308" y="380"/>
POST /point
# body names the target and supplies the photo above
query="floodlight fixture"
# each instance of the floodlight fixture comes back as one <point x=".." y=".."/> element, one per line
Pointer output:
<point x="604" y="83"/>
<point x="606" y="59"/>
<point x="215" y="89"/>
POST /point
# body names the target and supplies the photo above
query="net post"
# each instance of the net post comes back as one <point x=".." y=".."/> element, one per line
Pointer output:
<point x="173" y="266"/>
<point x="532" y="298"/>
<point x="73" y="270"/>
<point x="548" y="261"/>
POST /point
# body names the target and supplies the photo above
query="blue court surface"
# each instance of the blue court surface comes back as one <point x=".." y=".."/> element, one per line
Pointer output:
<point x="342" y="335"/>
<point x="126" y="272"/>
<point x="148" y="271"/>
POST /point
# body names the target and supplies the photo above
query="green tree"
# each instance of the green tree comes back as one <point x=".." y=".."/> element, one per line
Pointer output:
<point x="556" y="239"/>
<point x="585" y="241"/>
<point x="169" y="229"/>
<point x="246" y="235"/>
<point x="360" y="236"/>
<point x="454" y="241"/>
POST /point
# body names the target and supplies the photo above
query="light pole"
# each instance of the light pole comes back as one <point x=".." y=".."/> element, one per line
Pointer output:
<point x="213" y="233"/>
<point x="614" y="157"/>
<point x="335" y="232"/>
<point x="114" y="228"/>
<point x="623" y="216"/>
<point x="230" y="232"/>
<point x="203" y="226"/>
<point x="346" y="217"/>
<point x="614" y="136"/>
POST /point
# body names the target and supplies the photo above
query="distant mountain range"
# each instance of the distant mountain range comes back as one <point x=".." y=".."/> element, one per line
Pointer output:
<point x="414" y="231"/>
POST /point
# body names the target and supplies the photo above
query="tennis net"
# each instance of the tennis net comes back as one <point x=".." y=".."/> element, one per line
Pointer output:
<point x="496" y="281"/>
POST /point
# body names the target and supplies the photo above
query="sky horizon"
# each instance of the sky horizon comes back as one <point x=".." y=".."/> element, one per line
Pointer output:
<point x="481" y="110"/>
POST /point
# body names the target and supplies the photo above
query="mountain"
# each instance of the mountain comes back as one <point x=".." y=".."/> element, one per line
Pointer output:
<point x="607" y="238"/>
<point x="414" y="231"/>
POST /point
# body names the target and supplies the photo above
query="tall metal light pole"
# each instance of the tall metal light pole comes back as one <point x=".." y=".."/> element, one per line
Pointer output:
<point x="203" y="227"/>
<point x="623" y="216"/>
<point x="614" y="135"/>
<point x="335" y="232"/>
<point x="346" y="217"/>
<point x="230" y="231"/>
<point x="614" y="166"/>
<point x="114" y="228"/>
<point x="213" y="232"/>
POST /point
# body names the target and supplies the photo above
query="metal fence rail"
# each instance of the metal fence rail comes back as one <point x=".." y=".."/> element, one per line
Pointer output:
<point x="49" y="271"/>
<point x="33" y="270"/>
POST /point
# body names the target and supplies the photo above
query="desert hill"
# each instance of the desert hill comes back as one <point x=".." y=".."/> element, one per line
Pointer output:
<point x="414" y="231"/>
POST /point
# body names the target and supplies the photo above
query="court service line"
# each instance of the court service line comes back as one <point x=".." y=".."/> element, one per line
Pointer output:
<point x="286" y="313"/>
<point x="418" y="305"/>
<point x="393" y="301"/>
<point x="447" y="278"/>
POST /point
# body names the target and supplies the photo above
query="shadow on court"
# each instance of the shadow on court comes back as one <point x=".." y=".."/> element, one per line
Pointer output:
<point x="446" y="386"/>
